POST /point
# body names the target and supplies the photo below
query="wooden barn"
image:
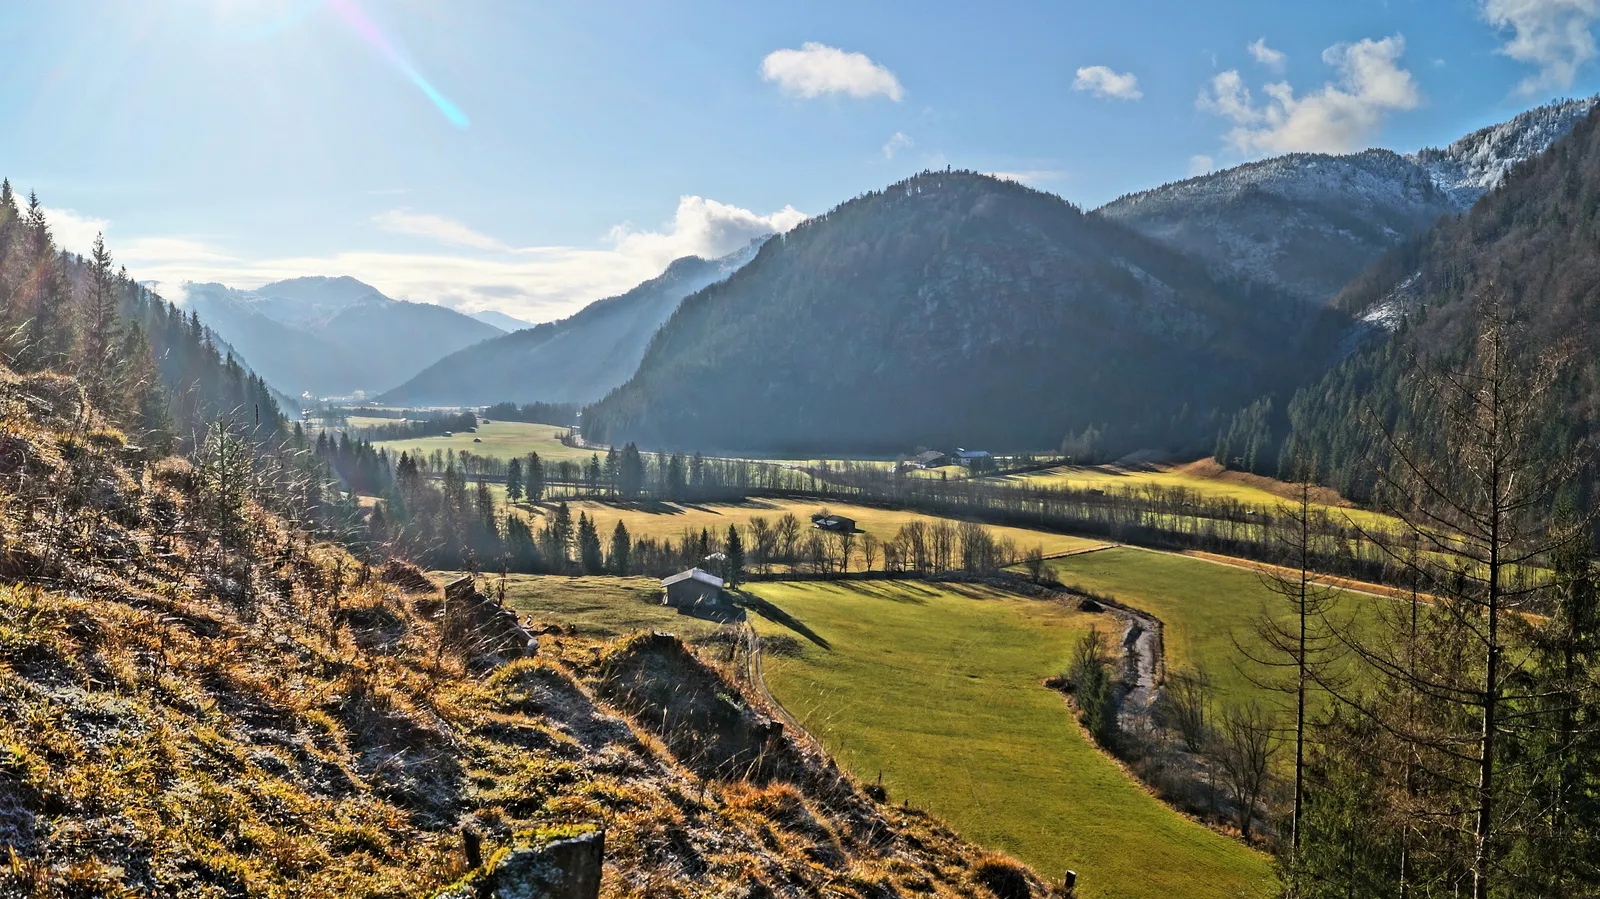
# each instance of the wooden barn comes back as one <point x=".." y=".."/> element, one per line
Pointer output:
<point x="830" y="522"/>
<point x="692" y="589"/>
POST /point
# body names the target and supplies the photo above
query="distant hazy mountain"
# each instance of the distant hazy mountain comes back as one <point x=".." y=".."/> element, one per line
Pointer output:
<point x="574" y="360"/>
<point x="502" y="321"/>
<point x="1308" y="223"/>
<point x="951" y="309"/>
<point x="332" y="336"/>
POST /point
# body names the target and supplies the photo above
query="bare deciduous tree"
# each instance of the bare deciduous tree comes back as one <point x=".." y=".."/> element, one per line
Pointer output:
<point x="1243" y="746"/>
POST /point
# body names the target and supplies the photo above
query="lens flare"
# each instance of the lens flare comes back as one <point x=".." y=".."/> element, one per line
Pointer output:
<point x="372" y="34"/>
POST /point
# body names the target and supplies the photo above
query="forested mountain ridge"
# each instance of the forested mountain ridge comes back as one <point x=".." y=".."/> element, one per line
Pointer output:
<point x="333" y="336"/>
<point x="574" y="360"/>
<point x="1532" y="244"/>
<point x="1307" y="223"/>
<point x="955" y="308"/>
<point x="146" y="365"/>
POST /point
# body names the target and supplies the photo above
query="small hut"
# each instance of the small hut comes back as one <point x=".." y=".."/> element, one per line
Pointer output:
<point x="692" y="589"/>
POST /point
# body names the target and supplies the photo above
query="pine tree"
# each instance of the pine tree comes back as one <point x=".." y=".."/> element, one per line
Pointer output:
<point x="514" y="480"/>
<point x="589" y="552"/>
<point x="99" y="365"/>
<point x="735" y="553"/>
<point x="621" y="550"/>
<point x="533" y="478"/>
<point x="630" y="472"/>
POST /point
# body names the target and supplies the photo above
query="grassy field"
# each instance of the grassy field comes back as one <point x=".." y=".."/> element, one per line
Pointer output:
<point x="504" y="439"/>
<point x="595" y="606"/>
<point x="1204" y="606"/>
<point x="668" y="521"/>
<point x="1204" y="478"/>
<point x="939" y="688"/>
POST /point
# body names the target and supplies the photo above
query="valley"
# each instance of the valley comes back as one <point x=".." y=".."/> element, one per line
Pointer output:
<point x="1237" y="536"/>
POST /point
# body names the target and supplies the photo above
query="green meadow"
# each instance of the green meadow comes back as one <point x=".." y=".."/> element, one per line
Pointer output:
<point x="1204" y="607"/>
<point x="939" y="689"/>
<point x="505" y="439"/>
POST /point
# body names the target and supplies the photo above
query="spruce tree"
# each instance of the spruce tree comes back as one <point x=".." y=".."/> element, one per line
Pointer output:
<point x="735" y="553"/>
<point x="514" y="480"/>
<point x="99" y="349"/>
<point x="621" y="550"/>
<point x="589" y="552"/>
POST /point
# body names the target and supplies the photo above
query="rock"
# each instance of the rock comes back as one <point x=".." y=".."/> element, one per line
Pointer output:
<point x="561" y="864"/>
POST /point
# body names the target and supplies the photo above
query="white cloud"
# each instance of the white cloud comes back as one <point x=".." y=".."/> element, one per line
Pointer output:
<point x="1199" y="164"/>
<point x="1555" y="35"/>
<point x="536" y="283"/>
<point x="897" y="141"/>
<point x="1106" y="84"/>
<point x="434" y="227"/>
<point x="1272" y="59"/>
<point x="1340" y="117"/>
<point x="73" y="232"/>
<point x="1029" y="177"/>
<point x="816" y="69"/>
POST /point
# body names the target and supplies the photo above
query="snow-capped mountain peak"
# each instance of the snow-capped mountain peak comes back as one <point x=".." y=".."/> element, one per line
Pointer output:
<point x="1476" y="164"/>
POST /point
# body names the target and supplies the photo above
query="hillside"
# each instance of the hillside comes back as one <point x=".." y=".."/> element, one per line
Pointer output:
<point x="1307" y="223"/>
<point x="161" y="374"/>
<point x="202" y="702"/>
<point x="332" y="336"/>
<point x="506" y="323"/>
<point x="1534" y="242"/>
<point x="574" y="360"/>
<point x="950" y="308"/>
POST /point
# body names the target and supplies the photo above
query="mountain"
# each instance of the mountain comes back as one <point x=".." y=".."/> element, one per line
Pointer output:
<point x="502" y="321"/>
<point x="332" y="336"/>
<point x="952" y="308"/>
<point x="1308" y="223"/>
<point x="1533" y="242"/>
<point x="574" y="360"/>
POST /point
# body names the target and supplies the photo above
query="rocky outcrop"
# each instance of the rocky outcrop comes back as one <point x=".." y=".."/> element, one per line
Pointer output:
<point x="555" y="863"/>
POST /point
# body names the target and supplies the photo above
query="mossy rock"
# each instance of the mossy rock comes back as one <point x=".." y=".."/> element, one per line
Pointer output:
<point x="556" y="862"/>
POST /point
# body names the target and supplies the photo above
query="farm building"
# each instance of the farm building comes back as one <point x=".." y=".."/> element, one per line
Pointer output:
<point x="831" y="522"/>
<point x="692" y="589"/>
<point x="931" y="459"/>
<point x="974" y="458"/>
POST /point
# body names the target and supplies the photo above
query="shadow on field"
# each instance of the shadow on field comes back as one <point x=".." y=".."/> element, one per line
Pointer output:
<point x="907" y="592"/>
<point x="778" y="616"/>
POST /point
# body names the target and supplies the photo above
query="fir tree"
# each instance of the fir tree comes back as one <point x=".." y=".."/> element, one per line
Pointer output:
<point x="514" y="480"/>
<point x="734" y="550"/>
<point x="621" y="550"/>
<point x="589" y="552"/>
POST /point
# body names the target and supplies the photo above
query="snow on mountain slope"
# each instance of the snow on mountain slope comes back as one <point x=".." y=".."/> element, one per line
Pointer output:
<point x="1476" y="164"/>
<point x="1305" y="224"/>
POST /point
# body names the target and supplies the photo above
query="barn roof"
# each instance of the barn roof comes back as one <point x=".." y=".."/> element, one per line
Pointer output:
<point x="694" y="574"/>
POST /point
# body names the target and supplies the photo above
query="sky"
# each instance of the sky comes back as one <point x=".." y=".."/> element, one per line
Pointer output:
<point x="531" y="157"/>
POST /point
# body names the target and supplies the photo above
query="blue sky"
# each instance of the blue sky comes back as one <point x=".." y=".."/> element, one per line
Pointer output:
<point x="533" y="156"/>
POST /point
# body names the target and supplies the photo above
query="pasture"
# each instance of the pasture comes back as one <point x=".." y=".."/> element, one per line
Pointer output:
<point x="1205" y="478"/>
<point x="939" y="688"/>
<point x="1205" y="606"/>
<point x="595" y="606"/>
<point x="505" y="439"/>
<point x="667" y="521"/>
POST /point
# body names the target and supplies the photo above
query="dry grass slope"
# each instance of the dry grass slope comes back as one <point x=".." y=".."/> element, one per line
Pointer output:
<point x="271" y="719"/>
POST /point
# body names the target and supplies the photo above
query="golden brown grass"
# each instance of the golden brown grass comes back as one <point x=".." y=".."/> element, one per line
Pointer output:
<point x="276" y="720"/>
